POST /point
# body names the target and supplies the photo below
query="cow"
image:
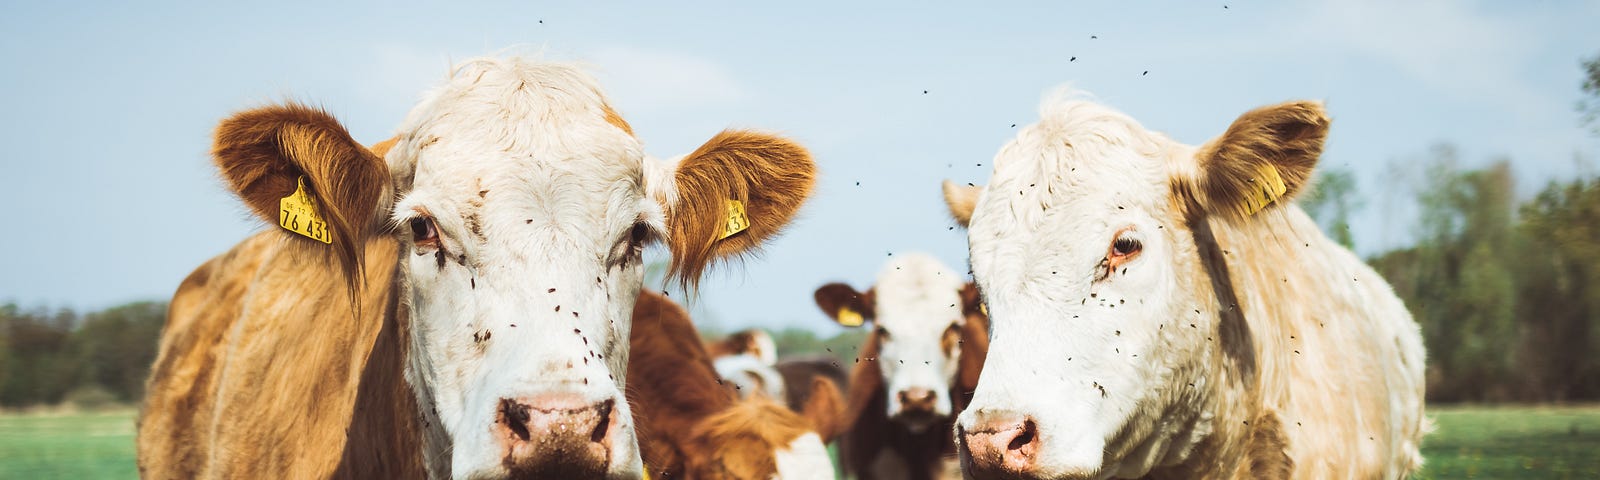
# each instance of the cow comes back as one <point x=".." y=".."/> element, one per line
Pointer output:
<point x="694" y="425"/>
<point x="454" y="302"/>
<point x="798" y="374"/>
<point x="915" y="368"/>
<point x="747" y="358"/>
<point x="1163" y="310"/>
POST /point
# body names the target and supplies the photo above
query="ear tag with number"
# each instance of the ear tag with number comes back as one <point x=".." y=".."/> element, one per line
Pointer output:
<point x="736" y="222"/>
<point x="298" y="213"/>
<point x="849" y="318"/>
<point x="1264" y="188"/>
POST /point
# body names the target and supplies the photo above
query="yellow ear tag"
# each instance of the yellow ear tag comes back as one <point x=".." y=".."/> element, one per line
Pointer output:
<point x="1264" y="188"/>
<point x="984" y="307"/>
<point x="298" y="213"/>
<point x="849" y="318"/>
<point x="736" y="222"/>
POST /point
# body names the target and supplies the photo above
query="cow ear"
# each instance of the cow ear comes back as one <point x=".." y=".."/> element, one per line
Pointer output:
<point x="844" y="305"/>
<point x="825" y="408"/>
<point x="1265" y="158"/>
<point x="268" y="153"/>
<point x="961" y="201"/>
<point x="971" y="300"/>
<point x="736" y="191"/>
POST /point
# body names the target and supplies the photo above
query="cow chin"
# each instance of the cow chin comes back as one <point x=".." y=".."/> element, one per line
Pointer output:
<point x="918" y="421"/>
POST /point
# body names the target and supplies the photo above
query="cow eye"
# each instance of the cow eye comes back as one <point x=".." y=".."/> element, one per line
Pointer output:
<point x="423" y="231"/>
<point x="639" y="234"/>
<point x="1125" y="246"/>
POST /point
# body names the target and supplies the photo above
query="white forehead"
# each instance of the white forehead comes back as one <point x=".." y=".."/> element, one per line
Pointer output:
<point x="540" y="131"/>
<point x="1077" y="143"/>
<point x="913" y="290"/>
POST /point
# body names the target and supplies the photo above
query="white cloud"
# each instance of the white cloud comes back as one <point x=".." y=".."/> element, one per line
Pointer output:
<point x="643" y="79"/>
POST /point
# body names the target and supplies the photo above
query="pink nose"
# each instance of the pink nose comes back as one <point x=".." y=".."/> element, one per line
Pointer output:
<point x="917" y="400"/>
<point x="555" y="436"/>
<point x="1000" y="446"/>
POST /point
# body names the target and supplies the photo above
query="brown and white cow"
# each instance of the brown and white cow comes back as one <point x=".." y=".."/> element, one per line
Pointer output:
<point x="1163" y="311"/>
<point x="914" y="371"/>
<point x="694" y="425"/>
<point x="465" y="307"/>
<point x="747" y="358"/>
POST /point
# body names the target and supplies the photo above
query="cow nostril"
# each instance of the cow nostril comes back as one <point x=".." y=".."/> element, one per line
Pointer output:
<point x="604" y="410"/>
<point x="514" y="416"/>
<point x="1025" y="437"/>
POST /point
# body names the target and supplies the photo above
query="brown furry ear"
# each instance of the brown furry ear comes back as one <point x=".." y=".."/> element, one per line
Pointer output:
<point x="1266" y="157"/>
<point x="835" y="298"/>
<point x="971" y="300"/>
<point x="961" y="200"/>
<point x="768" y="175"/>
<point x="262" y="154"/>
<point x="825" y="409"/>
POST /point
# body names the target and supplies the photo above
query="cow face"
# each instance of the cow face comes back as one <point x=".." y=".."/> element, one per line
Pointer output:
<point x="1087" y="244"/>
<point x="522" y="203"/>
<point x="916" y="310"/>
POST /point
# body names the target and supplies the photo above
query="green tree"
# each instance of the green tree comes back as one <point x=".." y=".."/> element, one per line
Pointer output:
<point x="1560" y="290"/>
<point x="116" y="347"/>
<point x="1333" y="200"/>
<point x="1590" y="107"/>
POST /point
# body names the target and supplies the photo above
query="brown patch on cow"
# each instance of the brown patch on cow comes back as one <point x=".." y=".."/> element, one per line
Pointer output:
<point x="1238" y="345"/>
<point x="616" y="120"/>
<point x="772" y="176"/>
<point x="263" y="152"/>
<point x="743" y="342"/>
<point x="1287" y="138"/>
<point x="1267" y="449"/>
<point x="689" y="425"/>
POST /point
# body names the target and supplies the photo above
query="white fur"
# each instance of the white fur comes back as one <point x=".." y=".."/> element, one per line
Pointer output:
<point x="561" y="191"/>
<point x="745" y="371"/>
<point x="805" y="459"/>
<point x="1119" y="372"/>
<point x="916" y="300"/>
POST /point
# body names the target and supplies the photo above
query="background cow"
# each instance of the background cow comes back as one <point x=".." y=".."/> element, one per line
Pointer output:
<point x="1163" y="310"/>
<point x="694" y="425"/>
<point x="915" y="369"/>
<point x="746" y="358"/>
<point x="465" y="304"/>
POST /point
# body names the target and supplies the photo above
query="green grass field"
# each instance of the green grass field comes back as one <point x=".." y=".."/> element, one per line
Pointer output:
<point x="1470" y="442"/>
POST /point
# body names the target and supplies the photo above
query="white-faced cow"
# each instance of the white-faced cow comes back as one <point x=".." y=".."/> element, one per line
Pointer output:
<point x="456" y="302"/>
<point x="1164" y="311"/>
<point x="914" y="371"/>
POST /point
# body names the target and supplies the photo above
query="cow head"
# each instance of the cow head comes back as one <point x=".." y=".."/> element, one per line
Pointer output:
<point x="522" y="203"/>
<point x="917" y="309"/>
<point x="1093" y="250"/>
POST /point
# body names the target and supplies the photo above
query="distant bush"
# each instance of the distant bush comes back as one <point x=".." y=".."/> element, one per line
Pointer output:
<point x="49" y="357"/>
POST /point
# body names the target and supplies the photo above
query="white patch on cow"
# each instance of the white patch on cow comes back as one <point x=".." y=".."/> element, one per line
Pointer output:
<point x="805" y="458"/>
<point x="751" y="374"/>
<point x="535" y="196"/>
<point x="917" y="299"/>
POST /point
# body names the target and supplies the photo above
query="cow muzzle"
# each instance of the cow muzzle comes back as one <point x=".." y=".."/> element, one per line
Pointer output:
<point x="556" y="436"/>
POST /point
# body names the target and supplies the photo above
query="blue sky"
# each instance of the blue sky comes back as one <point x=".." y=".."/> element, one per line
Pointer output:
<point x="108" y="107"/>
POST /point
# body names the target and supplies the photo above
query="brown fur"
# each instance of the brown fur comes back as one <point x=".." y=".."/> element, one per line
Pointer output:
<point x="771" y="175"/>
<point x="870" y="432"/>
<point x="799" y="380"/>
<point x="834" y="297"/>
<point x="961" y="201"/>
<point x="736" y="343"/>
<point x="264" y="151"/>
<point x="616" y="120"/>
<point x="1288" y="137"/>
<point x="692" y="426"/>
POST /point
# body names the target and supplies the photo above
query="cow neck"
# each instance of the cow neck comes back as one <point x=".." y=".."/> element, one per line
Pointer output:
<point x="384" y="435"/>
<point x="672" y="384"/>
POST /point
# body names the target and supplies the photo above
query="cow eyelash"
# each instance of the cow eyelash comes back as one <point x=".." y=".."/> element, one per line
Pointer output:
<point x="1125" y="246"/>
